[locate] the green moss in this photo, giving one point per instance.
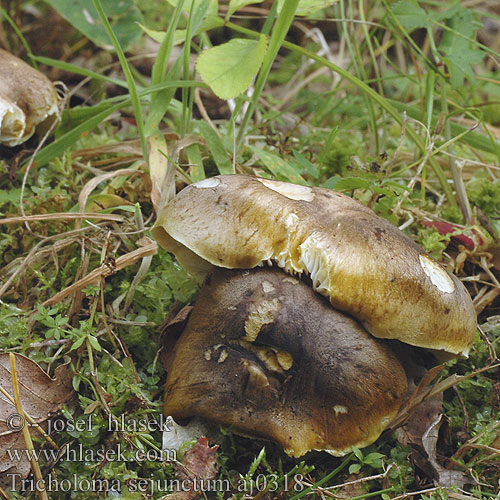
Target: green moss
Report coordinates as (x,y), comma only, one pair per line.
(485,193)
(433,242)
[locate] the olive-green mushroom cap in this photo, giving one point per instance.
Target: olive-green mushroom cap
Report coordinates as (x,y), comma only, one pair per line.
(363,264)
(28,101)
(267,356)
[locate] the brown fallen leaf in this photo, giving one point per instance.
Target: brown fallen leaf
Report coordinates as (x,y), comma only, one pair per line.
(199,465)
(171,330)
(421,432)
(41,396)
(443,477)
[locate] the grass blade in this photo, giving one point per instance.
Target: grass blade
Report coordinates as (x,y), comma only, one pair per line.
(279,32)
(134,96)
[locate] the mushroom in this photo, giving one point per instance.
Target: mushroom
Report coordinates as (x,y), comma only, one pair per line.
(28,101)
(364,265)
(266,355)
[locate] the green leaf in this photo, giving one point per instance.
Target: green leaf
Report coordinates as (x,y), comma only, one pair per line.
(278,167)
(78,343)
(211,20)
(349,183)
(94,343)
(204,19)
(229,68)
(357,452)
(308,167)
(411,15)
(353,468)
(216,147)
(234,5)
(10,196)
(309,7)
(76,382)
(123,16)
(460,53)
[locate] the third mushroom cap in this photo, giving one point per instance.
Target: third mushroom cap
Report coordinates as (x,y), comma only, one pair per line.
(362,263)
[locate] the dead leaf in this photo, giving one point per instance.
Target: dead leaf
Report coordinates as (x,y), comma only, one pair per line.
(411,433)
(199,465)
(160,169)
(170,332)
(41,396)
(443,477)
(421,432)
(131,148)
(425,391)
(93,183)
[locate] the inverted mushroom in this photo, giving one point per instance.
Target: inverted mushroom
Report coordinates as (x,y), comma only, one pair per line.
(264,354)
(363,264)
(28,101)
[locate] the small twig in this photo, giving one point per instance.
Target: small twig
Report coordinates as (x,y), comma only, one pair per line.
(398,149)
(107,269)
(143,269)
(203,112)
(33,252)
(491,348)
(50,343)
(487,270)
(470,443)
(4,495)
(465,425)
(486,300)
(413,493)
(61,216)
(54,124)
(363,479)
(104,318)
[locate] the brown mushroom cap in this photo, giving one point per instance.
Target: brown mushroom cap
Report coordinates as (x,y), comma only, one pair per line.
(266,355)
(361,262)
(28,101)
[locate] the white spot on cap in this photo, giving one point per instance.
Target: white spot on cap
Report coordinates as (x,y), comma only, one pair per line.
(267,287)
(438,276)
(292,191)
(211,182)
(340,409)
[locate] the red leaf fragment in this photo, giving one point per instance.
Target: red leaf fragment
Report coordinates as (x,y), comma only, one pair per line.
(446,228)
(199,465)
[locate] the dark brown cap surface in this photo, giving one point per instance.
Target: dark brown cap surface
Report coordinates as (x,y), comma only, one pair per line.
(264,354)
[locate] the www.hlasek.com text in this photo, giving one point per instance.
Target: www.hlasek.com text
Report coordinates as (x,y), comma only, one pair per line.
(81,454)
